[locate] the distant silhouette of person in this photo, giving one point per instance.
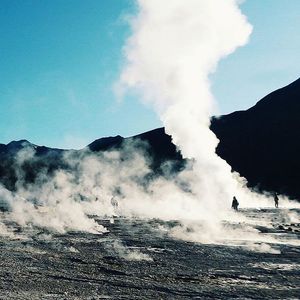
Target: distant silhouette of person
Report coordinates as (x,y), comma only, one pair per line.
(235,204)
(114,202)
(276,200)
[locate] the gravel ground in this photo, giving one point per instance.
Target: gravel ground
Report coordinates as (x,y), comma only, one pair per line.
(135,260)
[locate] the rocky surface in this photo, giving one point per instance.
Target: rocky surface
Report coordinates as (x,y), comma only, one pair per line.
(136,260)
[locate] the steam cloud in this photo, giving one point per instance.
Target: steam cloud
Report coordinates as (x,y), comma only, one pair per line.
(174,47)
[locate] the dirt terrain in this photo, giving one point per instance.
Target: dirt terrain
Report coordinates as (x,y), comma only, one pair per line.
(137,260)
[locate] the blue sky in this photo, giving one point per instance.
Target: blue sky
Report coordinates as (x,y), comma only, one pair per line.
(60,58)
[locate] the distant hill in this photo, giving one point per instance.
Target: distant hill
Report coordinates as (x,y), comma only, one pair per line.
(160,147)
(261,143)
(45,160)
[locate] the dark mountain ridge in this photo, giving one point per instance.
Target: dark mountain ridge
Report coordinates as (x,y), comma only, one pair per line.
(261,143)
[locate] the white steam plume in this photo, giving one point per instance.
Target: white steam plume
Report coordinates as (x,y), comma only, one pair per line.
(174,46)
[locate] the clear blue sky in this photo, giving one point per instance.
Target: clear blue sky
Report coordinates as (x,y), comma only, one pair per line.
(59,59)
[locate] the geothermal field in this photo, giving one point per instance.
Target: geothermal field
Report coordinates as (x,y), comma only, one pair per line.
(205,207)
(153,259)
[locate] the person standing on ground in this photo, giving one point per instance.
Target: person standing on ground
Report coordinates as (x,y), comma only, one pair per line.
(235,203)
(276,199)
